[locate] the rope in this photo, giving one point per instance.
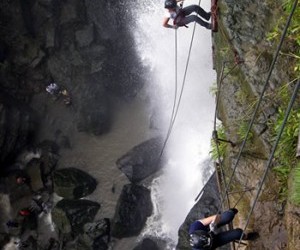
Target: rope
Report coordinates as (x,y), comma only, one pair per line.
(288,111)
(262,93)
(174,113)
(215,135)
(293,98)
(175,97)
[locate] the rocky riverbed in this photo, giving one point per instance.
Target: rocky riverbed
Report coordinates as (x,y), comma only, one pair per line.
(60,185)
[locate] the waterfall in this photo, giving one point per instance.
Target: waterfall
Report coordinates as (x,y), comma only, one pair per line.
(188,147)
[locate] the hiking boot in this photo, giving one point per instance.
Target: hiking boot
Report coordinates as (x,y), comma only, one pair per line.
(208,16)
(251,236)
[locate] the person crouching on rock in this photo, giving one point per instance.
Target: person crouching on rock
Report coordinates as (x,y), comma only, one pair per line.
(203,232)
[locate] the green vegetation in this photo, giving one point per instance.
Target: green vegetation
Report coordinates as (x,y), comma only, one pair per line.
(293,35)
(219,150)
(295,186)
(285,154)
(242,132)
(285,157)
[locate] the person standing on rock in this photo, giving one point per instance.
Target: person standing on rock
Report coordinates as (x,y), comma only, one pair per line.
(203,232)
(182,16)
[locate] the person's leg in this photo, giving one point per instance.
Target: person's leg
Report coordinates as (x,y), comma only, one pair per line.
(227,217)
(223,238)
(193,18)
(196,8)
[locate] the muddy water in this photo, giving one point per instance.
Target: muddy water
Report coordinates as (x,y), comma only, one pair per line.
(97,154)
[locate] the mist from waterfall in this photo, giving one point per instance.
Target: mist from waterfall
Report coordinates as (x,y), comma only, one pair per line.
(189,143)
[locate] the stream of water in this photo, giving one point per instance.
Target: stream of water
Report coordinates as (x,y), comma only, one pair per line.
(174,192)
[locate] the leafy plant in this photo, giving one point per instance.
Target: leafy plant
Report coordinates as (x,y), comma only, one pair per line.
(213,89)
(242,131)
(293,34)
(295,186)
(287,145)
(218,149)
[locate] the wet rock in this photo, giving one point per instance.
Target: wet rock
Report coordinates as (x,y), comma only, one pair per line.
(70,215)
(147,244)
(94,112)
(85,36)
(33,169)
(52,244)
(142,160)
(4,239)
(73,183)
(133,208)
(96,235)
(16,128)
(3,52)
(26,7)
(48,146)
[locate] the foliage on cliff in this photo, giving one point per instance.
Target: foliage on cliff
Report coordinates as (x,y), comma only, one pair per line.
(245,47)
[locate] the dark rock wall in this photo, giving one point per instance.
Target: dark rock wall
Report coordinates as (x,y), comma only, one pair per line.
(17,126)
(83,46)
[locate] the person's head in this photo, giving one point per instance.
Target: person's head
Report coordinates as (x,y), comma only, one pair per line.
(200,239)
(170,4)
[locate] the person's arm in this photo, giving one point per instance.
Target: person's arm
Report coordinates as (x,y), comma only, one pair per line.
(211,219)
(167,25)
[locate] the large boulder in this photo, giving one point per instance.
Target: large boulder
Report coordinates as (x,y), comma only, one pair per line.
(73,183)
(142,160)
(70,215)
(96,235)
(16,127)
(147,244)
(133,208)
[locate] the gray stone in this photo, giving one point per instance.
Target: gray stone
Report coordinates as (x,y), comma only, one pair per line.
(142,160)
(85,36)
(71,215)
(96,235)
(72,183)
(133,208)
(16,127)
(147,244)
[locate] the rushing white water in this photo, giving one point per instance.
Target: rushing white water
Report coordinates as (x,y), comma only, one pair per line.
(188,146)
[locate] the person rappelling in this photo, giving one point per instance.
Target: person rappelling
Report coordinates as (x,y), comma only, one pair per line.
(182,16)
(203,233)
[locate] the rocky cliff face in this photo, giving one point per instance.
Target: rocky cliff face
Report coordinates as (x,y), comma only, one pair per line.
(242,58)
(83,46)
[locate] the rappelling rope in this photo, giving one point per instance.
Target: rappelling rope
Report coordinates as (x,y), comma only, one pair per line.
(175,98)
(176,108)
